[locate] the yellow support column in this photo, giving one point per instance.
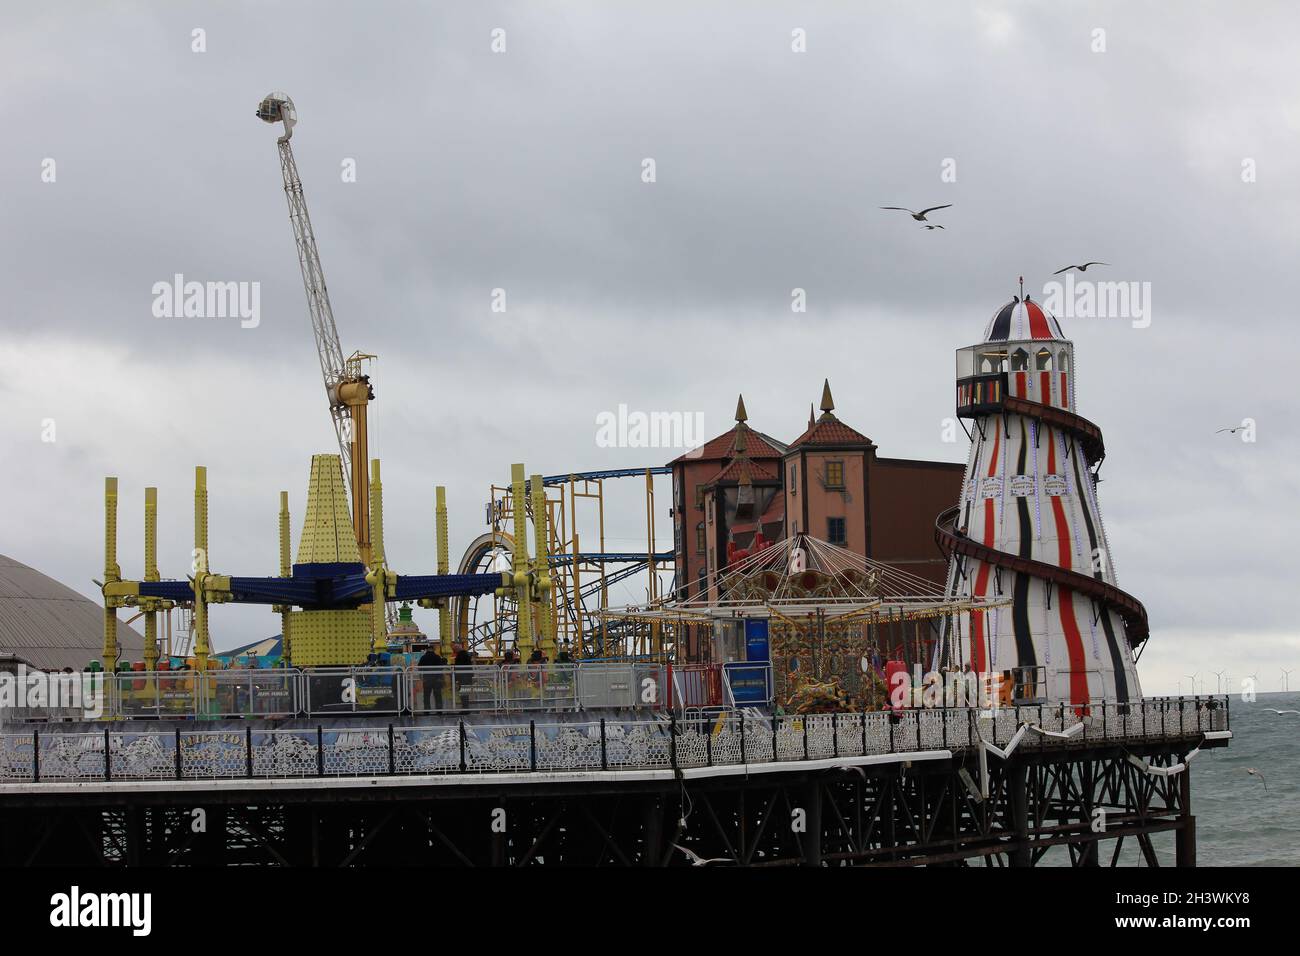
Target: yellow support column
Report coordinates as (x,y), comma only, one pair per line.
(286,571)
(523,597)
(150,574)
(200,567)
(541,569)
(112,573)
(444,567)
(355,393)
(377,577)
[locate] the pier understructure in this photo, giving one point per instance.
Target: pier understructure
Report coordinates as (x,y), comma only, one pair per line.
(641,786)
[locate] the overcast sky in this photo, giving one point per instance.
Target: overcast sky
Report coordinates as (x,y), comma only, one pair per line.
(522,170)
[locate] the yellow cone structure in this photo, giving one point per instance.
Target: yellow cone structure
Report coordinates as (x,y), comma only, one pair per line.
(328,637)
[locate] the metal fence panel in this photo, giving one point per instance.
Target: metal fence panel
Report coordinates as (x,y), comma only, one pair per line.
(726,741)
(692,743)
(75,756)
(264,692)
(156,693)
(149,756)
(474,688)
(697,685)
(285,753)
(213,754)
(723,739)
(426,749)
(431,690)
(355,753)
(638,745)
(16,753)
(539,687)
(747,685)
(353,690)
(569,746)
(821,732)
(494,747)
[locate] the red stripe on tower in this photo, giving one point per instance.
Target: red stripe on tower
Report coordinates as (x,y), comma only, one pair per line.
(1038,327)
(1065,599)
(982,576)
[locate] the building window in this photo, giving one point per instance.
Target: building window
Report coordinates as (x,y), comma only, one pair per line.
(699,537)
(794,480)
(835,531)
(835,474)
(699,496)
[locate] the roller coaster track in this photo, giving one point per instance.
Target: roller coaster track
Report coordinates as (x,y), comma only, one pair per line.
(952,541)
(549,480)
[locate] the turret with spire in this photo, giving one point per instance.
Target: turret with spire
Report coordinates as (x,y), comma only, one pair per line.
(828,403)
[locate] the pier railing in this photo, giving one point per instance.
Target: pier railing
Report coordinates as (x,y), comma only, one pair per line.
(513,744)
(280,692)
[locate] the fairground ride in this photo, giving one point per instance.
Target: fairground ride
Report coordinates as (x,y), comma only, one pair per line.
(582,580)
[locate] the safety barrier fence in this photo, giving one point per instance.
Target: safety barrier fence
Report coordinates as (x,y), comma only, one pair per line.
(490,746)
(746,685)
(330,691)
(696,685)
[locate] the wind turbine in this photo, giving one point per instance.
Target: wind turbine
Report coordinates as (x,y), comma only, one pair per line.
(1218,676)
(1192,678)
(1286,678)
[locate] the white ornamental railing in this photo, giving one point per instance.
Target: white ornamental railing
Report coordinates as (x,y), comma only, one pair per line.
(527,742)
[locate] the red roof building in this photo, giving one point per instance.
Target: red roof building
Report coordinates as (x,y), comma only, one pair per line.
(744,489)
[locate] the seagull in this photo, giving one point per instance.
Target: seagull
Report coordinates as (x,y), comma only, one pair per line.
(918,216)
(1230,431)
(1082,268)
(1280,712)
(1255,773)
(697,860)
(935,226)
(858,770)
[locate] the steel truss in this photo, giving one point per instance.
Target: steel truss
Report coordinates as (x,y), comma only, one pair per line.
(928,813)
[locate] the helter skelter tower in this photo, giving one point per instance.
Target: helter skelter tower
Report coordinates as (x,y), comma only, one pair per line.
(1028,525)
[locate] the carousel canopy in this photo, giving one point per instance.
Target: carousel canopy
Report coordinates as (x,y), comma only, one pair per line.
(803,577)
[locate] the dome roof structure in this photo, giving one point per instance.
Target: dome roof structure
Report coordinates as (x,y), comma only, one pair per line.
(48,626)
(1022,320)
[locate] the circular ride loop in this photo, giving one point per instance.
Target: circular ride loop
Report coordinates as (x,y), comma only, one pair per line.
(582,580)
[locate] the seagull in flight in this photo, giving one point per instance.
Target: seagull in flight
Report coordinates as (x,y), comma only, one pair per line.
(935,226)
(1230,431)
(697,860)
(1082,268)
(1255,773)
(1280,712)
(918,216)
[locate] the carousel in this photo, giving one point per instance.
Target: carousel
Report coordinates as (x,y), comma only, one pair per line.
(831,624)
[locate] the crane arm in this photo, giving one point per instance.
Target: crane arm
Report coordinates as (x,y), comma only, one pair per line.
(347,389)
(277,107)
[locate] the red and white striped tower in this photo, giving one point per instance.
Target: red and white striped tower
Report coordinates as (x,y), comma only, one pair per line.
(1028,525)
